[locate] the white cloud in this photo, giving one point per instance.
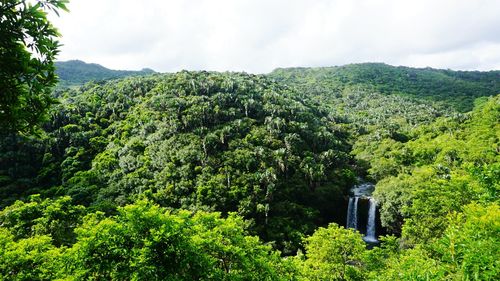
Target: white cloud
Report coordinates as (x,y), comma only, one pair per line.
(485,55)
(259,35)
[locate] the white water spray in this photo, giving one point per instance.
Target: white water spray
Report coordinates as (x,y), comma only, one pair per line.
(370,224)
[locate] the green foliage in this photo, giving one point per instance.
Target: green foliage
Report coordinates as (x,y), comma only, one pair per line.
(27,52)
(145,242)
(76,73)
(458,89)
(77,131)
(377,260)
(21,159)
(33,258)
(332,253)
(196,140)
(452,163)
(211,159)
(468,249)
(470,245)
(57,218)
(413,264)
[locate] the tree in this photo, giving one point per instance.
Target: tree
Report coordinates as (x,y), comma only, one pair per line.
(33,258)
(27,52)
(470,245)
(332,253)
(56,218)
(148,242)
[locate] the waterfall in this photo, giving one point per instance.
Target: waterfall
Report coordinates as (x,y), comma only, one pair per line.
(352,213)
(349,210)
(360,200)
(370,225)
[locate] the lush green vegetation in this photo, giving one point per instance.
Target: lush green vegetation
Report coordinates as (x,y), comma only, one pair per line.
(142,242)
(27,53)
(231,176)
(457,89)
(437,174)
(450,162)
(198,141)
(76,73)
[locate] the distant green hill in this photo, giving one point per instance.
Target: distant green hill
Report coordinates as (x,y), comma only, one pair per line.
(458,89)
(76,72)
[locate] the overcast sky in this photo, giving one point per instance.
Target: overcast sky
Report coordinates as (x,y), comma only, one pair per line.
(260,35)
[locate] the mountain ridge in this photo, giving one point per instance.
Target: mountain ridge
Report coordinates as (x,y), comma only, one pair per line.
(458,89)
(77,72)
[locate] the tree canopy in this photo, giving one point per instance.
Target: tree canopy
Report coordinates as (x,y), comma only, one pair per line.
(27,52)
(202,175)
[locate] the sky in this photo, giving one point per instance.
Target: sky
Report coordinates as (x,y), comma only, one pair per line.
(258,36)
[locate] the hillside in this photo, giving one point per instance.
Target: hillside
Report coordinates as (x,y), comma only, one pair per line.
(226,142)
(232,176)
(76,73)
(455,89)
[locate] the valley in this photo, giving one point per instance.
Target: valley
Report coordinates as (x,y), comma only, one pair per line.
(283,166)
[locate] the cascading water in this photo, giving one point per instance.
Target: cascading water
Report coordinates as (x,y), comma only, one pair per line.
(370,225)
(362,194)
(352,213)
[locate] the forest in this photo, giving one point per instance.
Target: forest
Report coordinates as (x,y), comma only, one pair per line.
(205,175)
(202,175)
(74,73)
